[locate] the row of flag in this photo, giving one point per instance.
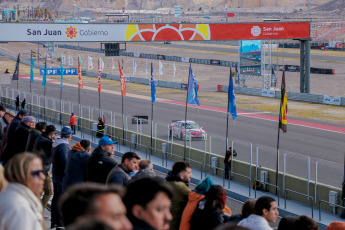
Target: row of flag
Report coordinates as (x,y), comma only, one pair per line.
(193,87)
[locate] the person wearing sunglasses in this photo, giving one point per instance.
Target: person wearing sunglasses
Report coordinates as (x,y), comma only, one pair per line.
(20,206)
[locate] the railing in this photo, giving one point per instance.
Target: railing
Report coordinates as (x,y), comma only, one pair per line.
(247,177)
(301,194)
(216,168)
(322,201)
(277,187)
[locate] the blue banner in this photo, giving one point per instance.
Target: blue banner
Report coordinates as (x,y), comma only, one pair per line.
(66,71)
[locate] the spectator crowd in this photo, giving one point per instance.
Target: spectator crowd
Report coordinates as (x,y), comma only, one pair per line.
(90,189)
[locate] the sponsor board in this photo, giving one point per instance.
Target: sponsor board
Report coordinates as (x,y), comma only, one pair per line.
(268,93)
(331,100)
(66,71)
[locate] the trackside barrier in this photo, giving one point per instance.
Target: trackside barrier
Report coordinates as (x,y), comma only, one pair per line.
(301,194)
(197,155)
(326,202)
(216,174)
(277,187)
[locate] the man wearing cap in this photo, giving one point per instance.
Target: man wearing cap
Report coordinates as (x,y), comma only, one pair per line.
(4,121)
(73,122)
(60,152)
(101,161)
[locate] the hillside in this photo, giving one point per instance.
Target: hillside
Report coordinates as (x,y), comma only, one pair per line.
(192,5)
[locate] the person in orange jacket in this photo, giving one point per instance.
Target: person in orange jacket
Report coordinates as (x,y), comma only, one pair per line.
(73,122)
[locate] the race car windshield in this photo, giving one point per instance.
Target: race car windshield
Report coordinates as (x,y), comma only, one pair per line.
(192,126)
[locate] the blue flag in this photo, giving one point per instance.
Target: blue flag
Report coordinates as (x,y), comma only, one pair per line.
(153,87)
(44,81)
(231,98)
(192,90)
(32,69)
(61,73)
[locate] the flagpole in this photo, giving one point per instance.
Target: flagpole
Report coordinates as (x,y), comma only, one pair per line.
(185,117)
(18,75)
(227,117)
(151,126)
(123,122)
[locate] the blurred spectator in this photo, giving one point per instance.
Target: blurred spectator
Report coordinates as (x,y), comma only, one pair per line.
(34,134)
(10,142)
(119,174)
(89,224)
(266,212)
(179,178)
(248,208)
(287,223)
(43,147)
(73,122)
(145,170)
(148,202)
(21,135)
(193,199)
(93,200)
(209,212)
(305,223)
(3,181)
(4,121)
(101,162)
(336,225)
(230,226)
(2,110)
(23,103)
(6,71)
(20,207)
(17,102)
(76,163)
(60,151)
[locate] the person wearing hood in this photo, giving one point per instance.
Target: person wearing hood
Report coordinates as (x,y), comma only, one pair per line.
(60,152)
(75,163)
(193,199)
(101,162)
(9,144)
(34,134)
(21,135)
(179,178)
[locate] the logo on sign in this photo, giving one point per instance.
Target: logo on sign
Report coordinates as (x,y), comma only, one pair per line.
(256,31)
(71,32)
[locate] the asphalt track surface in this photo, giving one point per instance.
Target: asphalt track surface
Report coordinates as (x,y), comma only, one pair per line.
(323,141)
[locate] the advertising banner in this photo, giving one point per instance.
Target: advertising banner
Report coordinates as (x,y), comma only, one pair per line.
(66,71)
(331,100)
(69,32)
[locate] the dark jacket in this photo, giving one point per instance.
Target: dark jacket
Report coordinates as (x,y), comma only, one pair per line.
(205,217)
(21,138)
(179,199)
(227,157)
(118,175)
(143,173)
(75,166)
(98,166)
(33,135)
(139,224)
(10,139)
(43,147)
(60,152)
(3,124)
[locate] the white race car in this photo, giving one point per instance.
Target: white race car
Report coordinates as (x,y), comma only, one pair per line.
(193,130)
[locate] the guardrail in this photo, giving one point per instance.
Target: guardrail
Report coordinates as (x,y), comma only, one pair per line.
(215,168)
(247,177)
(277,187)
(301,194)
(323,201)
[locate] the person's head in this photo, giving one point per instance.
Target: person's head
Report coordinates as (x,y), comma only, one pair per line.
(336,225)
(305,223)
(266,207)
(2,110)
(146,164)
(66,132)
(131,161)
(29,121)
(26,169)
(41,126)
(99,119)
(22,113)
(183,170)
(149,199)
(86,144)
(3,181)
(9,116)
(92,200)
(107,145)
(216,197)
(72,114)
(50,131)
(248,208)
(287,223)
(89,224)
